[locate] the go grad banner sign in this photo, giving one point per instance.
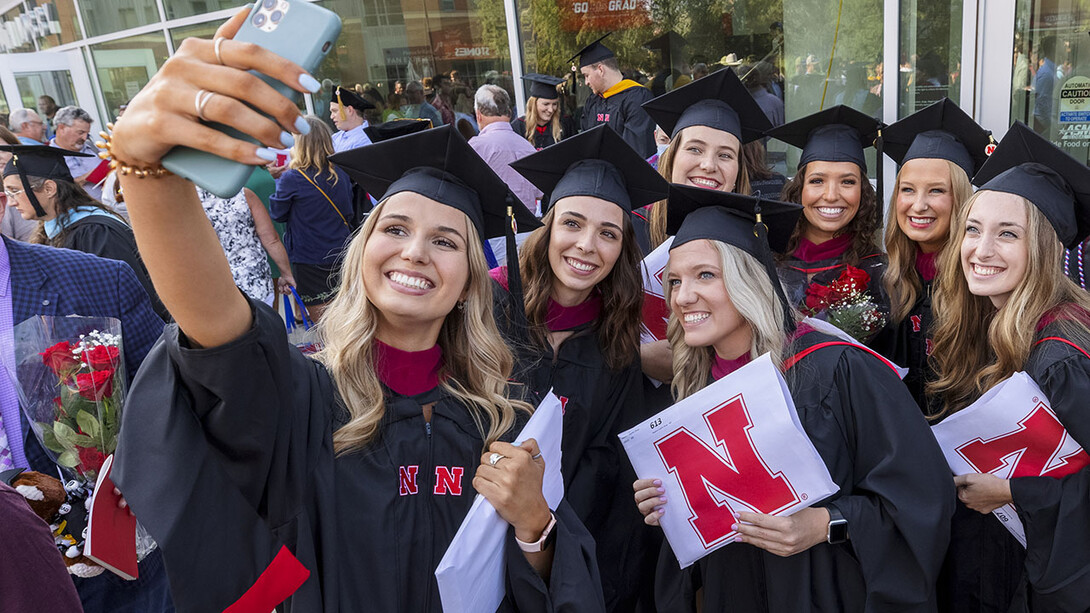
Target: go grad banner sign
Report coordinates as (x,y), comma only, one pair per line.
(735,446)
(1011,431)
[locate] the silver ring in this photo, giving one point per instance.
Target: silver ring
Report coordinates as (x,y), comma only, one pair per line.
(216,48)
(203,96)
(534,457)
(495,458)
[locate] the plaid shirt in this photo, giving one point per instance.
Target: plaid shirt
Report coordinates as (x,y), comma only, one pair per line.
(52,281)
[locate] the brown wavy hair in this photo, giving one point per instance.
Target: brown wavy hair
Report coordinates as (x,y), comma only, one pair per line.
(531,121)
(977,346)
(666,169)
(67,197)
(618,327)
(902,282)
(864,226)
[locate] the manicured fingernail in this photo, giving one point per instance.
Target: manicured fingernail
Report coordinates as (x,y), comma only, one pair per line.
(657,482)
(117,492)
(662,511)
(287,139)
(266,154)
(301,125)
(662,498)
(309,83)
(661,491)
(734,527)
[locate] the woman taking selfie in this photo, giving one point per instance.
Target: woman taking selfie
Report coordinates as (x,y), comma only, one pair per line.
(1003,305)
(867,548)
(337,482)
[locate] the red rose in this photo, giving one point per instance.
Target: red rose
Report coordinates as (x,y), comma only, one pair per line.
(90,459)
(102,357)
(60,360)
(96,385)
(856,276)
(818,297)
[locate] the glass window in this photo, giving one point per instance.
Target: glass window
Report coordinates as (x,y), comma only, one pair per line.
(189,8)
(1050,88)
(107,16)
(54,83)
(59,24)
(200,30)
(384,43)
(930,54)
(17,31)
(124,66)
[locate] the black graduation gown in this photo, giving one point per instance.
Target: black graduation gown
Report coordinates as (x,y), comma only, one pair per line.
(624,113)
(599,403)
(226,455)
(796,275)
(110,238)
(1052,574)
(541,139)
(908,344)
(895,492)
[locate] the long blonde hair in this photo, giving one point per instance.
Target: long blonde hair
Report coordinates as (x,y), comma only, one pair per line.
(477,363)
(531,122)
(753,295)
(977,346)
(902,282)
(312,151)
(666,169)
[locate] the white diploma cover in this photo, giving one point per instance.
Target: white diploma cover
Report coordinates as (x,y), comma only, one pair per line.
(734,446)
(655,310)
(1011,431)
(471,573)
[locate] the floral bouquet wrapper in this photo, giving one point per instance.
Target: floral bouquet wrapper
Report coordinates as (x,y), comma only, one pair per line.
(847,303)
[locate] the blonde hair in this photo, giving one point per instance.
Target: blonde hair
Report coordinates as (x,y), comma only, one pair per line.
(312,151)
(977,346)
(753,295)
(657,224)
(902,282)
(476,362)
(531,121)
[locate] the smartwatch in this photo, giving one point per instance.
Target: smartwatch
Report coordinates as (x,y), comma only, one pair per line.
(838,526)
(543,543)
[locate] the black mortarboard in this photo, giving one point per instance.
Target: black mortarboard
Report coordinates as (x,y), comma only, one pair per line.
(837,134)
(347,97)
(395,128)
(543,85)
(596,163)
(752,224)
(592,54)
(39,161)
(666,43)
(940,131)
(1028,165)
(718,101)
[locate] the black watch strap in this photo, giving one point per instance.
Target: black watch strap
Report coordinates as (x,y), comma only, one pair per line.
(838,526)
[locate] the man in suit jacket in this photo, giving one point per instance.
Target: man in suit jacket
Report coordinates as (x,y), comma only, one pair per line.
(41,280)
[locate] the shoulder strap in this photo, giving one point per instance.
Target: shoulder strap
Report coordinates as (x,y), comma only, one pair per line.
(328,199)
(791,361)
(1063,340)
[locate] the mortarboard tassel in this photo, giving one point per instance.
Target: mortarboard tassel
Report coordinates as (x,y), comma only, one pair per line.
(878,161)
(514,278)
(340,105)
(38,210)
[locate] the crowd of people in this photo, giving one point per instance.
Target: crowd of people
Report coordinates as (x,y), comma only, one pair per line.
(457,281)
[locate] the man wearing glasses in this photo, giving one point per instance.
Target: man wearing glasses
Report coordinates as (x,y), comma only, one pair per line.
(27,126)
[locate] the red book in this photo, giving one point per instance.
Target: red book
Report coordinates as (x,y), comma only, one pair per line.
(111,531)
(99,173)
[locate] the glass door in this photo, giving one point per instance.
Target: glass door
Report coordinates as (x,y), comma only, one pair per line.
(59,75)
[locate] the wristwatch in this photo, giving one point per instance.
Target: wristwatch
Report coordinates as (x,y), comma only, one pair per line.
(543,543)
(838,526)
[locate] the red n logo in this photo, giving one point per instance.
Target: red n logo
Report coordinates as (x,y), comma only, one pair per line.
(448,480)
(407,479)
(1033,449)
(563,404)
(917,322)
(715,484)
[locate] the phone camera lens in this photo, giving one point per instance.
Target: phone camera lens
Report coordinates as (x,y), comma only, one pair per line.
(259,19)
(269,4)
(275,17)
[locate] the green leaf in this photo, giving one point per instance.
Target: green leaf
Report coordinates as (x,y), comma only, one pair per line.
(82,440)
(49,439)
(88,424)
(69,459)
(64,435)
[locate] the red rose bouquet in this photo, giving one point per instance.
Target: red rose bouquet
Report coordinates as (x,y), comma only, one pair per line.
(847,304)
(71,381)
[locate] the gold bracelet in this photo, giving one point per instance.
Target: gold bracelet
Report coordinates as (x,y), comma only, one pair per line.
(107,153)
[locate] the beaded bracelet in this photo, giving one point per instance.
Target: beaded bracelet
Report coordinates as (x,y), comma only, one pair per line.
(107,153)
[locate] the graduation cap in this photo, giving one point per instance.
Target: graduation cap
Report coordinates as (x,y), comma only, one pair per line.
(592,54)
(940,131)
(543,86)
(719,101)
(837,134)
(347,97)
(752,224)
(597,163)
(666,42)
(39,161)
(395,128)
(1028,165)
